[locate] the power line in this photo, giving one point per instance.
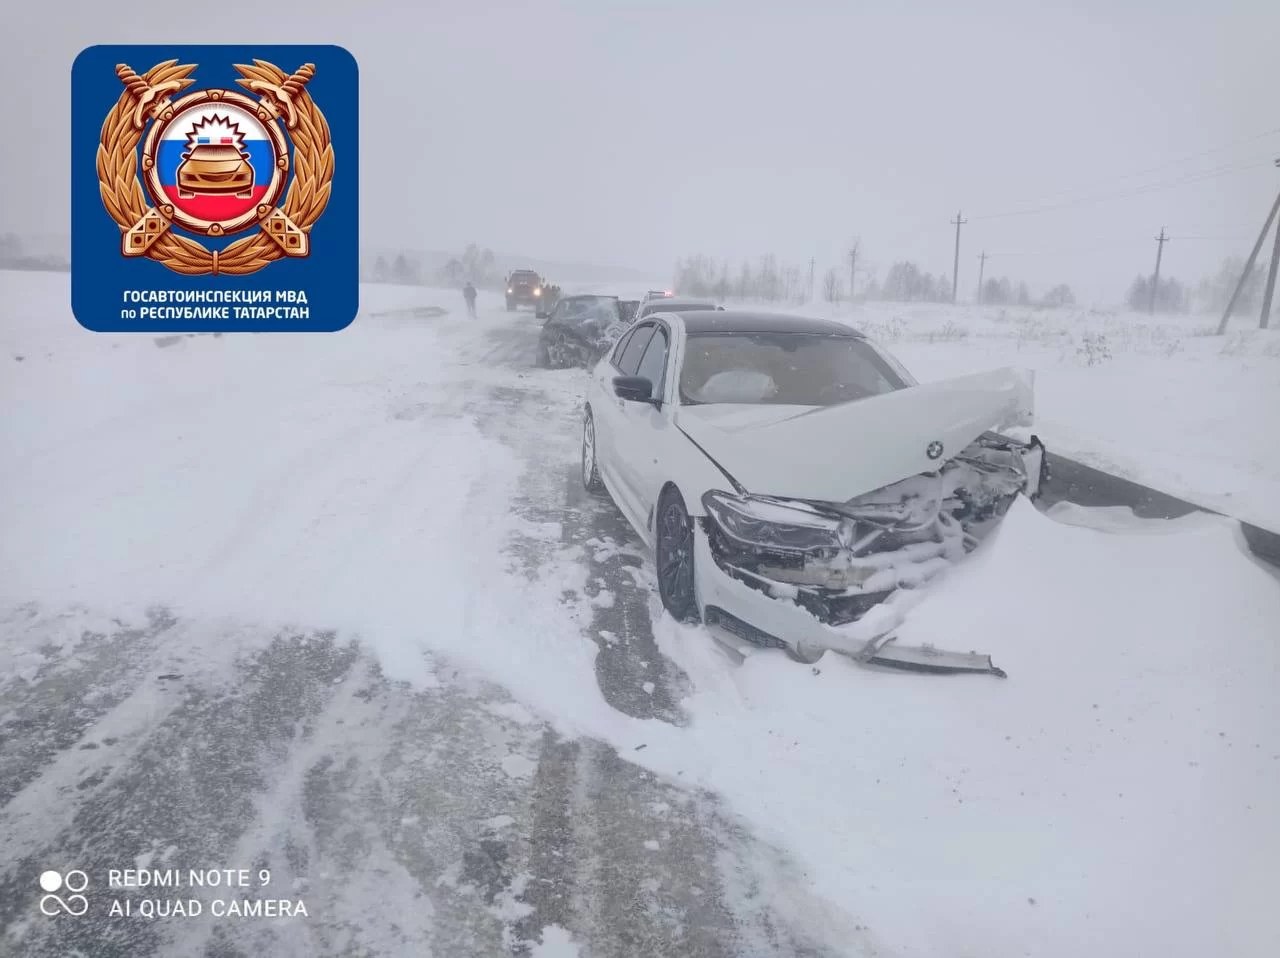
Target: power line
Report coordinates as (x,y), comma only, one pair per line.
(1197,177)
(1158,167)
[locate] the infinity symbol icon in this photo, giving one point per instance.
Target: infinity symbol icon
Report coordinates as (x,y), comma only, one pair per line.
(75,904)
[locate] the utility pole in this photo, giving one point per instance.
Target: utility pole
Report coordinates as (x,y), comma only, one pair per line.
(1155,280)
(1271,278)
(1248,265)
(955,270)
(811,279)
(853,267)
(982,265)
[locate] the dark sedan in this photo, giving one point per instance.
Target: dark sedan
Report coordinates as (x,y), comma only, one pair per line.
(580,330)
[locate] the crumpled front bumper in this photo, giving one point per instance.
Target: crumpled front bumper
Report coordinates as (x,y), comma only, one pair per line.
(856,612)
(776,619)
(778,622)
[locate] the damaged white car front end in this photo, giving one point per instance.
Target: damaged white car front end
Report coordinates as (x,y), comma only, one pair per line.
(812,570)
(806,576)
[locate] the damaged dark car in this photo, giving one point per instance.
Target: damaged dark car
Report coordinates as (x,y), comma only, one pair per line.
(581,329)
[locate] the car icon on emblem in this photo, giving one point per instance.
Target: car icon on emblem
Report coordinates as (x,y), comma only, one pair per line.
(934,449)
(212,168)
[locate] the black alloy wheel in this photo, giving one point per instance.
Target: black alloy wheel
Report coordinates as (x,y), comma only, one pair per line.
(673,556)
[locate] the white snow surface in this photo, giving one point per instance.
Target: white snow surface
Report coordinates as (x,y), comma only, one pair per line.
(1116,795)
(1156,399)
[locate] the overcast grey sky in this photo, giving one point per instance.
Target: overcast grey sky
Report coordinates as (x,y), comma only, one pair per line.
(634,133)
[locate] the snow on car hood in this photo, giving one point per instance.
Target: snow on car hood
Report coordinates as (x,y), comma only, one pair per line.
(834,453)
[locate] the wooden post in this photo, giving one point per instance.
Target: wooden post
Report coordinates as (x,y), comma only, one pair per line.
(1155,280)
(1248,266)
(1271,282)
(955,269)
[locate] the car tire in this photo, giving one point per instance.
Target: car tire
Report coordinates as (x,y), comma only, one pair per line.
(673,556)
(559,352)
(591,480)
(511,307)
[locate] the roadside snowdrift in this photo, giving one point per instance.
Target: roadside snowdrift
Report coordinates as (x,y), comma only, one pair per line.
(1160,400)
(1114,796)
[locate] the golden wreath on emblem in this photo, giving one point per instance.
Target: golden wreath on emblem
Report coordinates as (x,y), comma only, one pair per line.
(215,163)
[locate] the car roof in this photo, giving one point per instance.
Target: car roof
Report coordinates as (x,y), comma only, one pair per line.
(746,321)
(673,304)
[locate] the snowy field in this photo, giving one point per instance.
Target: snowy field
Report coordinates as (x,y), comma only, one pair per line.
(1159,400)
(409,485)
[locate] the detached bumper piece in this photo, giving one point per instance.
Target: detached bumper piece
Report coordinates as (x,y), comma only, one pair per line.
(885,652)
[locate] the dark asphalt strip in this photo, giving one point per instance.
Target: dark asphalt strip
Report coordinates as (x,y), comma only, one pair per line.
(1071,481)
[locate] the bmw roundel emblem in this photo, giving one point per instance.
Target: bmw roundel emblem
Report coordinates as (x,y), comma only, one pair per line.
(934,449)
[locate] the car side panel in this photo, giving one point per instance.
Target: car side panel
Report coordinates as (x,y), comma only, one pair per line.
(609,414)
(665,454)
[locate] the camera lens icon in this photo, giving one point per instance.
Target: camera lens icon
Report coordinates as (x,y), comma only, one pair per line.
(74,881)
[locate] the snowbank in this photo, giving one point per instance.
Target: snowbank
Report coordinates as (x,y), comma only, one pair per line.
(1159,400)
(1114,796)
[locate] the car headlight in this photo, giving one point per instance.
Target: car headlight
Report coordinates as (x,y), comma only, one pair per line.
(537,292)
(510,290)
(777,525)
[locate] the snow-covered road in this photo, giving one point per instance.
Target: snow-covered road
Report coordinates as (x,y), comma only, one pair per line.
(337,607)
(214,659)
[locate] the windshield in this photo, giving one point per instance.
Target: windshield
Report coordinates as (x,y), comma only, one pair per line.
(802,369)
(594,309)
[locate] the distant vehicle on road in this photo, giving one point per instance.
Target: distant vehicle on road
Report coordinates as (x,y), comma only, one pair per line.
(656,294)
(790,475)
(524,288)
(673,304)
(579,330)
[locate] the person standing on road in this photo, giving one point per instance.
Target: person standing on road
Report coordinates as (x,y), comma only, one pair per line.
(469,294)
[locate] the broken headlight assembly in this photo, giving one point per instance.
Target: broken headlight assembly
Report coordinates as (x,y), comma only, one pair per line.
(774,525)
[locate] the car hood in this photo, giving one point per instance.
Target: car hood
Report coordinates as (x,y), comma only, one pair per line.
(835,453)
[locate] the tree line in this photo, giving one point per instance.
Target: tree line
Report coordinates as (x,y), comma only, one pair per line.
(768,281)
(406,269)
(1210,295)
(13,256)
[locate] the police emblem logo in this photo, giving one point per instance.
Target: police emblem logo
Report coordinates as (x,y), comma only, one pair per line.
(215,163)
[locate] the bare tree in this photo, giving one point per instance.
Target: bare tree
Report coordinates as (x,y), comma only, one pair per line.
(832,287)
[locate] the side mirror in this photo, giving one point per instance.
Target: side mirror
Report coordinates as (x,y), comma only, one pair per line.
(633,388)
(542,314)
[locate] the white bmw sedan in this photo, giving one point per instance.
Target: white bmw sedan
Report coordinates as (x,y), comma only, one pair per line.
(790,475)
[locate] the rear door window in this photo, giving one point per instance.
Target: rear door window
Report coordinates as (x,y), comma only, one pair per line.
(621,348)
(654,364)
(634,349)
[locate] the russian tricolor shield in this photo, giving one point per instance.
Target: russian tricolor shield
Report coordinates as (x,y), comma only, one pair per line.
(215,161)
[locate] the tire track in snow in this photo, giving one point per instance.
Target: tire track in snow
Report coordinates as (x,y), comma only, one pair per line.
(442,820)
(629,864)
